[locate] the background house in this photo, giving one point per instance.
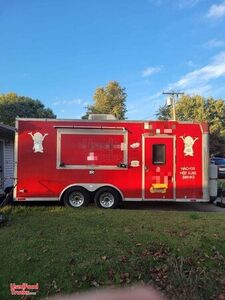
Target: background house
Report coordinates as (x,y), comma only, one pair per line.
(7,134)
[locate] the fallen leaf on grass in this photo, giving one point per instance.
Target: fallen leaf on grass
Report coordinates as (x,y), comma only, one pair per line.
(111,273)
(54,285)
(123,259)
(159,274)
(161,253)
(124,277)
(94,283)
(216,235)
(145,253)
(184,234)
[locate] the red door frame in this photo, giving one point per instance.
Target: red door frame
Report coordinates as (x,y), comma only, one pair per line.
(144,137)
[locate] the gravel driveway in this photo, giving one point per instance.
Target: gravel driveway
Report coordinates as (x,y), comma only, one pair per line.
(174,206)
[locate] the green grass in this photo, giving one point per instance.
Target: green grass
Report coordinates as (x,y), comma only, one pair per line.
(68,250)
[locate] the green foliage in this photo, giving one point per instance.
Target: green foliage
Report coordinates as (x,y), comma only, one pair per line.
(109,100)
(12,106)
(164,113)
(200,109)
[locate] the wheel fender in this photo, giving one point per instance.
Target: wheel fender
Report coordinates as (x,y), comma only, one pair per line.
(91,187)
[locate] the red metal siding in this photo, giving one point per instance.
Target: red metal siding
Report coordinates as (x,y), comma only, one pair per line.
(38,175)
(189,167)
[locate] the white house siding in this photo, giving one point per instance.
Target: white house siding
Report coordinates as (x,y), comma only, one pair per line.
(8,162)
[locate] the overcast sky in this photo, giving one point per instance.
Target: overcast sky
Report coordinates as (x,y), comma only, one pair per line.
(59,51)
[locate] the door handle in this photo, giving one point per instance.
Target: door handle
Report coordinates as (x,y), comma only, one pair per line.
(146,169)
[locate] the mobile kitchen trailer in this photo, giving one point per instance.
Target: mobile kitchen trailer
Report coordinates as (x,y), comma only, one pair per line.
(109,161)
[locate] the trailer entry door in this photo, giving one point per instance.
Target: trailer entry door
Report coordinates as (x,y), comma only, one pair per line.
(158,168)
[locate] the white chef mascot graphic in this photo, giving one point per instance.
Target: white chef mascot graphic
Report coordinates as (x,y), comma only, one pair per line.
(38,139)
(188,145)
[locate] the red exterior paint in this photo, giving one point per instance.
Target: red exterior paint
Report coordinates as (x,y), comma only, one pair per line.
(90,152)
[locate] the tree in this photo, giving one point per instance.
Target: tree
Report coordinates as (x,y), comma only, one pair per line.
(198,108)
(12,106)
(109,100)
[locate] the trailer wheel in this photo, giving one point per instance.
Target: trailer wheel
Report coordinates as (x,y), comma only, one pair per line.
(107,197)
(76,197)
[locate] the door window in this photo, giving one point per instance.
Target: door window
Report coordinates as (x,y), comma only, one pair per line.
(158,154)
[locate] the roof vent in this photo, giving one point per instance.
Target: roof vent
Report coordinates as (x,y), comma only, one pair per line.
(101,117)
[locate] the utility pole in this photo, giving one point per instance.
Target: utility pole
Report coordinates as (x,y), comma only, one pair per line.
(174,97)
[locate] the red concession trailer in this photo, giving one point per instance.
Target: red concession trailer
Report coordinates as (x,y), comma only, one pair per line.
(75,161)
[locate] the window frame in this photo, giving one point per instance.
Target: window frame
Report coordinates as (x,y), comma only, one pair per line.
(155,159)
(89,131)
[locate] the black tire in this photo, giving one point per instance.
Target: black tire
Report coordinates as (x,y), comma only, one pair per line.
(107,197)
(212,199)
(9,195)
(76,197)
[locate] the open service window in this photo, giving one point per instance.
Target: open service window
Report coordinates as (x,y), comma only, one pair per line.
(91,148)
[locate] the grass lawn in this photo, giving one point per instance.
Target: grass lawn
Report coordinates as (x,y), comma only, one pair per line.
(68,250)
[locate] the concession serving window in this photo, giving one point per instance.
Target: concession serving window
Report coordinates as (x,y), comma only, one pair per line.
(91,148)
